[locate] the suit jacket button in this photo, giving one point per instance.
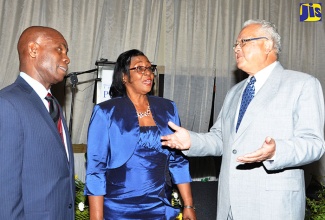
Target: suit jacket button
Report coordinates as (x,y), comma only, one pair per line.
(234,151)
(70,206)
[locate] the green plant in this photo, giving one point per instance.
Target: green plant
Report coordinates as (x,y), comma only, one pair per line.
(81,203)
(315,209)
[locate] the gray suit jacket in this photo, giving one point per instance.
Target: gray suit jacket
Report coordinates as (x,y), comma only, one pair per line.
(289,108)
(36,178)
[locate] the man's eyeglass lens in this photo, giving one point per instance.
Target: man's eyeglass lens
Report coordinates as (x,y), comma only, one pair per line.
(243,42)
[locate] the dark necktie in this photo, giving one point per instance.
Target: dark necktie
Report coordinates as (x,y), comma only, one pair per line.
(54,110)
(248,95)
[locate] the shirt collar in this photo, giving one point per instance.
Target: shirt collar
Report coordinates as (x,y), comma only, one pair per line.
(262,75)
(37,86)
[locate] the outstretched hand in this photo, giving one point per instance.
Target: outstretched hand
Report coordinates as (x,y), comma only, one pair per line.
(179,140)
(267,151)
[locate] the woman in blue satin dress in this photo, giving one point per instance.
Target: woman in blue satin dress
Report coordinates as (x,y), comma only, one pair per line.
(129,173)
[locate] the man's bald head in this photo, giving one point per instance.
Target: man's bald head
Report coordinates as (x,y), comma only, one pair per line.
(43,54)
(32,34)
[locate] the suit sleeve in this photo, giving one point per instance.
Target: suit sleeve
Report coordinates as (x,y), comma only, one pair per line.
(11,162)
(207,144)
(307,142)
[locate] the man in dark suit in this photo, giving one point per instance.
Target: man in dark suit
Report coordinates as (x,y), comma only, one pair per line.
(36,162)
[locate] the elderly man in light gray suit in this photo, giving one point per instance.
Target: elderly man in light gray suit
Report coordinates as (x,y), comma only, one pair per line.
(282,129)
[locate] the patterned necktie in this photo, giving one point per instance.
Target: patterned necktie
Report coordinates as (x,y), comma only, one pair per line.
(54,110)
(248,95)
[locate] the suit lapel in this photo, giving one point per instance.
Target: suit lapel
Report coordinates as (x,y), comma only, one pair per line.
(39,105)
(236,99)
(35,99)
(262,99)
(67,136)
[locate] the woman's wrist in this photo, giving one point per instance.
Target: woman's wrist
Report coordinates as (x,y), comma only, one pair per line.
(189,207)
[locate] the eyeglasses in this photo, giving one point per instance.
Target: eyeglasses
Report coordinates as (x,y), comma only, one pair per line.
(243,42)
(143,69)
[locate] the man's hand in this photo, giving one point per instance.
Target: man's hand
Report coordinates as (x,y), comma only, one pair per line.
(179,140)
(267,151)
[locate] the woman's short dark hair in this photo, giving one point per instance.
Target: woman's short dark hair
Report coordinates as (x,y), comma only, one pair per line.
(122,67)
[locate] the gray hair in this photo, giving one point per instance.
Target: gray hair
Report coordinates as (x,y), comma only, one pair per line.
(270,29)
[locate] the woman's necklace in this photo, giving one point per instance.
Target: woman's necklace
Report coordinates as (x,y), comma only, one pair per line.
(144,114)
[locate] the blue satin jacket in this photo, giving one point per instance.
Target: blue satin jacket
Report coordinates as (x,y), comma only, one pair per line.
(114,132)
